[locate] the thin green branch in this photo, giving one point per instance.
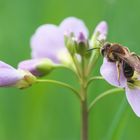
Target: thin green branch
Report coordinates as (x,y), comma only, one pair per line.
(100,96)
(61,84)
(93,60)
(94,78)
(76,64)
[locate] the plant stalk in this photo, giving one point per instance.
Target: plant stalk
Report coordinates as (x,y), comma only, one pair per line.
(84,120)
(84,106)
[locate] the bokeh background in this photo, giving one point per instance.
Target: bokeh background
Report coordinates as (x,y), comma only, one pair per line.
(48,112)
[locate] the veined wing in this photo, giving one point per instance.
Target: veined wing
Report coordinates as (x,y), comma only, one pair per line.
(132,59)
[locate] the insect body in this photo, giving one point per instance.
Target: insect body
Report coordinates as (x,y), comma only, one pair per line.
(127,70)
(129,62)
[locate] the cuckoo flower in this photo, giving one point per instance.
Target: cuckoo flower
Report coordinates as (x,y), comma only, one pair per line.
(9,76)
(132,88)
(48,40)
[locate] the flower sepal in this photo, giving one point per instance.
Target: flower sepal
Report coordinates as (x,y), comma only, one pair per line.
(70,43)
(45,66)
(26,81)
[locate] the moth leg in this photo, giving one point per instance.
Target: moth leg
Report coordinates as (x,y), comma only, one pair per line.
(118,71)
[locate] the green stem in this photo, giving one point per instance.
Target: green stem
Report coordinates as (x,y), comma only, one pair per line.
(84,107)
(84,130)
(76,64)
(92,62)
(61,84)
(100,96)
(94,78)
(95,54)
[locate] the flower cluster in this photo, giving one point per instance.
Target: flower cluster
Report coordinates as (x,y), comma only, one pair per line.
(67,45)
(50,49)
(58,43)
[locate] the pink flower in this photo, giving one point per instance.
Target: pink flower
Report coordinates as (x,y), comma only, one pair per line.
(109,71)
(9,76)
(48,40)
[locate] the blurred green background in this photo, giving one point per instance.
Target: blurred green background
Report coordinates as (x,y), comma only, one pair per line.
(48,112)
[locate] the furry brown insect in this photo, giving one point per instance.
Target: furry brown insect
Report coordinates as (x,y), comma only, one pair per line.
(119,54)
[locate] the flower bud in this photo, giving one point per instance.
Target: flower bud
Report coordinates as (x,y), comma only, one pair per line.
(70,43)
(82,44)
(38,67)
(101,30)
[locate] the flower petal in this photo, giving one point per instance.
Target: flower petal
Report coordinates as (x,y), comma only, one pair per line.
(109,71)
(73,25)
(8,75)
(133,97)
(4,65)
(47,42)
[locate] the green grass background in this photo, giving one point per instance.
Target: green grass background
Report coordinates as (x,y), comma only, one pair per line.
(48,112)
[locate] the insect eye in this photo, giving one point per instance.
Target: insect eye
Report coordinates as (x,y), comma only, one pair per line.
(105,48)
(107,45)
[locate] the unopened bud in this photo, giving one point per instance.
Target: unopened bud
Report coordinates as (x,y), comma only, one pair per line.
(70,43)
(38,67)
(82,44)
(27,80)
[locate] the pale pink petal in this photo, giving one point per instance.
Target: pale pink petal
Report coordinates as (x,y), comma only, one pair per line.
(47,42)
(133,97)
(8,75)
(109,71)
(4,65)
(73,25)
